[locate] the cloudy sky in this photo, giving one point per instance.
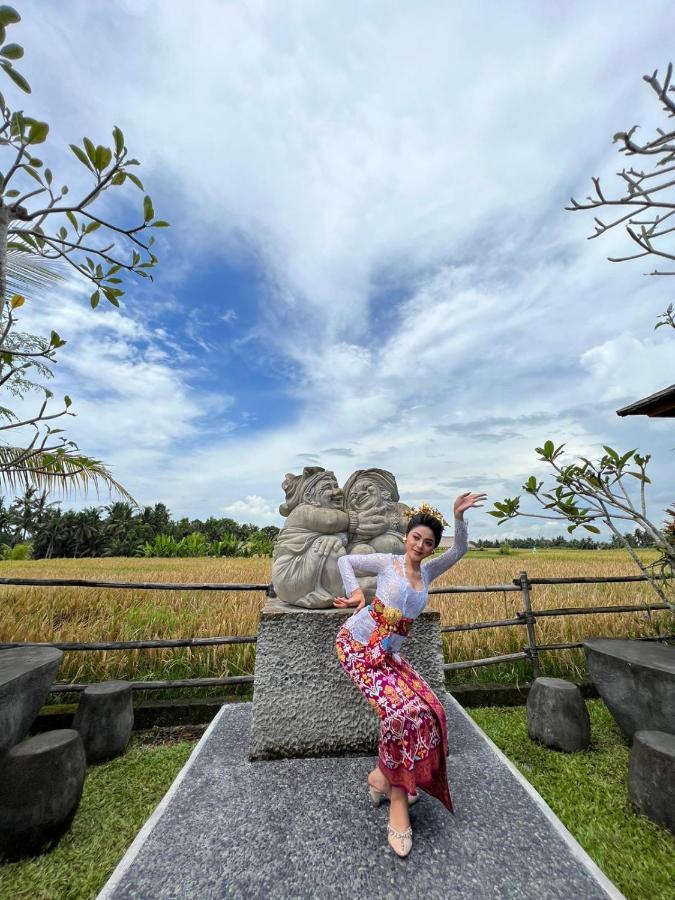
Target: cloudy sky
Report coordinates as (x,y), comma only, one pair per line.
(369,262)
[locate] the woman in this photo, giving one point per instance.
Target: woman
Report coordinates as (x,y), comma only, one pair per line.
(413,741)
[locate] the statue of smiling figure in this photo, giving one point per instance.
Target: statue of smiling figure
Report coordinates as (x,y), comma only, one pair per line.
(317,530)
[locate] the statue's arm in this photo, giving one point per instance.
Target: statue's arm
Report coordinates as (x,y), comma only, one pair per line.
(322,519)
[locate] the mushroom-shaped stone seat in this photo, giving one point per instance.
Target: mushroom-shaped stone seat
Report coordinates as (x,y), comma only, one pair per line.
(105,719)
(557,716)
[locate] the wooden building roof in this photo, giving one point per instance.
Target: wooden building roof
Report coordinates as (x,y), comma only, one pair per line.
(660,404)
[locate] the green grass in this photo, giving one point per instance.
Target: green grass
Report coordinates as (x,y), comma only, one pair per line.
(588,793)
(118,798)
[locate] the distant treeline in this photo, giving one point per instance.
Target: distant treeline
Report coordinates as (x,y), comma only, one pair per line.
(638,538)
(31,525)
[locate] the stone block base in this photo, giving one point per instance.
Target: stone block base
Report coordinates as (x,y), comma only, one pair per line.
(303,702)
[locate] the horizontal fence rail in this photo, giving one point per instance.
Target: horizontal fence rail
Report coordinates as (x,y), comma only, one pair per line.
(525,617)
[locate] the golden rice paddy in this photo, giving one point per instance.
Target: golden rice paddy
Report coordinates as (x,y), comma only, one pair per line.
(58,614)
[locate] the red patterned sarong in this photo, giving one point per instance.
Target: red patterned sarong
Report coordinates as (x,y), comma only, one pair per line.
(413,743)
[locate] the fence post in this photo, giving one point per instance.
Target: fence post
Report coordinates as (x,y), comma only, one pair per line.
(529,618)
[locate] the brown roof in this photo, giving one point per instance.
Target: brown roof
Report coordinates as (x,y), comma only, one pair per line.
(661,404)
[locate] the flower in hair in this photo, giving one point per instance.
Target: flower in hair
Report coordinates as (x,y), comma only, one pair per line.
(428,510)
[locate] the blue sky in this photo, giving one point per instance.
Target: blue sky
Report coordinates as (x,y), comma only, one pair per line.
(369,262)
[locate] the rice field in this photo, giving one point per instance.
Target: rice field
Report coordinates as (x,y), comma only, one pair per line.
(93,614)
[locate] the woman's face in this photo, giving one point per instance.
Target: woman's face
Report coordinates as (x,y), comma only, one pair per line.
(420,542)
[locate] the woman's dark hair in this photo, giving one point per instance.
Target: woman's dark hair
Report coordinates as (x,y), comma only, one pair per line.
(430,522)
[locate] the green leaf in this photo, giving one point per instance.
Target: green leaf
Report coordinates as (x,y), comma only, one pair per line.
(80,155)
(95,297)
(497,515)
(38,133)
(67,400)
(3,34)
(137,181)
(17,301)
(160,223)
(33,173)
(118,137)
(114,280)
(91,150)
(48,176)
(591,528)
(55,340)
(92,226)
(8,15)
(12,51)
(12,193)
(16,77)
(148,211)
(103,157)
(118,178)
(71,218)
(571,528)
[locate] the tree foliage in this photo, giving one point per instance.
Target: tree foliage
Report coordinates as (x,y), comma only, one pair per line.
(44,229)
(646,199)
(121,529)
(583,492)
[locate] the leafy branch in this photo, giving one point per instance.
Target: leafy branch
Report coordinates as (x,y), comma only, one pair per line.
(646,201)
(586,492)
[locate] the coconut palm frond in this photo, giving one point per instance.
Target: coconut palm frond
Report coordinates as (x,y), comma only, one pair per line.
(30,274)
(61,471)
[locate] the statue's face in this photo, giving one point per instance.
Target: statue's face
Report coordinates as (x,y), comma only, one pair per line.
(363,494)
(326,492)
(366,494)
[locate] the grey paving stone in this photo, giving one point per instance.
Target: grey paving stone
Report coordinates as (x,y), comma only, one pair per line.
(304,828)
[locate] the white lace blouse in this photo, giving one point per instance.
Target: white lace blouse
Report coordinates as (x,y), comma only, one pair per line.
(393,588)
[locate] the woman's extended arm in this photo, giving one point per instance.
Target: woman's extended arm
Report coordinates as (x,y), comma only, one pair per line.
(365,563)
(439,564)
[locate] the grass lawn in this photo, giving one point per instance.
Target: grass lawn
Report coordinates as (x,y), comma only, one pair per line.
(118,798)
(588,793)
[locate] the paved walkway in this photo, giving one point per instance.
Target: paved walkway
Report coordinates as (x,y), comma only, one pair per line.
(304,828)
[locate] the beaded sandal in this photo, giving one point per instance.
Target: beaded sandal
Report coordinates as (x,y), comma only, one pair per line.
(400,841)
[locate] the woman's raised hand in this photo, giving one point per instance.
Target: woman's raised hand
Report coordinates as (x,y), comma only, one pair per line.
(357,599)
(466,501)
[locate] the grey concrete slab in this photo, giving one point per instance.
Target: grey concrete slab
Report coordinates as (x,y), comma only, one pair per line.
(304,828)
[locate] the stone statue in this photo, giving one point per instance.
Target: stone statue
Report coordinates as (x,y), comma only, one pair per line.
(323,523)
(368,489)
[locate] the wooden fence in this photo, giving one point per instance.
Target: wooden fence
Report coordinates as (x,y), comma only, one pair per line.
(525,618)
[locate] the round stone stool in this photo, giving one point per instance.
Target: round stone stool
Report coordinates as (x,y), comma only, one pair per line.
(104,719)
(651,776)
(41,783)
(557,716)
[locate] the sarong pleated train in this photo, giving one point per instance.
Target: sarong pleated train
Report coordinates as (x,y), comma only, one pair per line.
(413,743)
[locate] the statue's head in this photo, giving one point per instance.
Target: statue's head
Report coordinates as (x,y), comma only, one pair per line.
(367,488)
(316,486)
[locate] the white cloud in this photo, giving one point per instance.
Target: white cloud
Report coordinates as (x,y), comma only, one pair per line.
(251,509)
(349,149)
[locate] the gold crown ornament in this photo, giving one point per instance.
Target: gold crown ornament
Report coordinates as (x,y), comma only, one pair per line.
(428,510)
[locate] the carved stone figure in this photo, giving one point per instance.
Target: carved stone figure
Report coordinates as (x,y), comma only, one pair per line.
(322,521)
(376,489)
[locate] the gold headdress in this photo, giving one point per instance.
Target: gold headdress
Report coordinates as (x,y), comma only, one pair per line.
(428,510)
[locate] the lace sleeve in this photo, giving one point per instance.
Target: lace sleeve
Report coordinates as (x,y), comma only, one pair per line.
(435,567)
(365,563)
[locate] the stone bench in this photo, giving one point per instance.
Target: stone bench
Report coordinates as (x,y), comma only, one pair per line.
(651,776)
(557,716)
(41,783)
(636,680)
(105,719)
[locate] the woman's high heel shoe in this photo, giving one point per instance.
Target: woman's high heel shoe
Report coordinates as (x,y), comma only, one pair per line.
(400,841)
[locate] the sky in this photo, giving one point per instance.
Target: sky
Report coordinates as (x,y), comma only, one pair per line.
(369,261)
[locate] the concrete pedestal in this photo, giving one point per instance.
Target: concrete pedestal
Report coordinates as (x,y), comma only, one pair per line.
(303,702)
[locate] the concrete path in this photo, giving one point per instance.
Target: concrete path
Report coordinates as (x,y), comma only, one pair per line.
(305,828)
